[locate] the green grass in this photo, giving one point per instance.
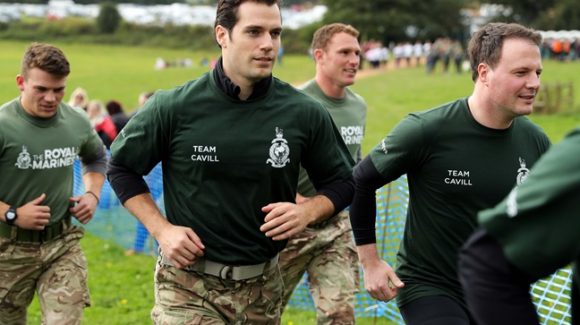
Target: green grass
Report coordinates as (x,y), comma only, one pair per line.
(122,73)
(122,287)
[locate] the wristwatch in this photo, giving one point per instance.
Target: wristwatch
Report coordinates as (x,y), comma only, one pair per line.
(10,216)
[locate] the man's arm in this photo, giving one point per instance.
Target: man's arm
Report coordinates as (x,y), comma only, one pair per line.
(179,244)
(380,280)
(93,170)
(86,204)
(32,215)
(285,219)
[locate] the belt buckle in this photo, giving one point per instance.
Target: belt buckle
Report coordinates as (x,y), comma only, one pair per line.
(226,272)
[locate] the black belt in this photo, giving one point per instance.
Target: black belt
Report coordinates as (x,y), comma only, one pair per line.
(228,272)
(34,236)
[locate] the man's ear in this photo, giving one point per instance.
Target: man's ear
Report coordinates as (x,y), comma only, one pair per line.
(317,54)
(222,36)
(482,72)
(20,82)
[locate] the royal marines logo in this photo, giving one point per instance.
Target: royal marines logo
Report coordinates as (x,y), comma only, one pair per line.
(512,203)
(523,172)
(279,150)
(384,146)
(24,161)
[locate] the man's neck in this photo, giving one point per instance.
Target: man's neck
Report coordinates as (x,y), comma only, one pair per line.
(487,115)
(245,91)
(330,88)
(240,89)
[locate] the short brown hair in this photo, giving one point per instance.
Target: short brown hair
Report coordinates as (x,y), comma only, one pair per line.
(486,44)
(227,11)
(47,58)
(324,34)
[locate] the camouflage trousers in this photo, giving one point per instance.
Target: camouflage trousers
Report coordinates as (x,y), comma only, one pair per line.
(56,269)
(327,252)
(187,297)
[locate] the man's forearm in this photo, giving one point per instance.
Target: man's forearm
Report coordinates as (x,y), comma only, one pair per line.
(3,209)
(93,182)
(368,254)
(318,207)
(144,208)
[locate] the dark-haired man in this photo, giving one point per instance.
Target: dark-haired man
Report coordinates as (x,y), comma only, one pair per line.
(231,144)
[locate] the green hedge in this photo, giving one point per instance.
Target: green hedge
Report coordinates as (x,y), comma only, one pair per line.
(83,30)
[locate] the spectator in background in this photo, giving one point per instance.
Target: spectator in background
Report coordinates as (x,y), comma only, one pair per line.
(280,54)
(457,54)
(79,98)
(118,116)
(418,52)
(143,97)
(101,122)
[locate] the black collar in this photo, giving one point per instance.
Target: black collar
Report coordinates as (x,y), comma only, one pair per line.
(231,89)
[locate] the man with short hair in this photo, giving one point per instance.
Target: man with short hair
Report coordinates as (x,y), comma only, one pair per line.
(326,250)
(40,138)
(231,144)
(531,234)
(460,158)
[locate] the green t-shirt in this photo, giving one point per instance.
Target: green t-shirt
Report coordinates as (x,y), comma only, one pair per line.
(538,224)
(37,155)
(349,115)
(455,168)
(224,159)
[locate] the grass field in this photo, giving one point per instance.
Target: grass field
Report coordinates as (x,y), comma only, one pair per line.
(121,287)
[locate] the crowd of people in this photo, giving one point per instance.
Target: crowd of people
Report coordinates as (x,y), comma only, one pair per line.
(286,190)
(408,54)
(108,119)
(561,49)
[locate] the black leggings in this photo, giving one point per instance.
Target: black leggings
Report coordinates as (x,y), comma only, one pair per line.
(435,310)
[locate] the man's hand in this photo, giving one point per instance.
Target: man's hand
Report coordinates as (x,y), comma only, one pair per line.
(180,245)
(33,215)
(284,220)
(84,207)
(381,281)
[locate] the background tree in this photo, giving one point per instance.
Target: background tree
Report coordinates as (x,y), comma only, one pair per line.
(109,18)
(396,20)
(543,15)
(525,12)
(564,15)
